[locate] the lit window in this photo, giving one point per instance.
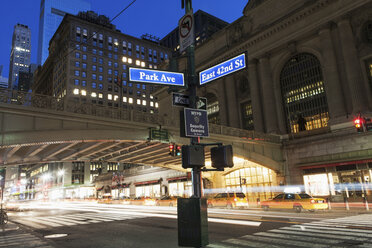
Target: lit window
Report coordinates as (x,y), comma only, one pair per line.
(151,97)
(130,100)
(125,99)
(109,96)
(144,102)
(156,105)
(94,94)
(83,92)
(151,104)
(116,97)
(100,95)
(130,61)
(138,62)
(124,59)
(143,64)
(76,91)
(139,101)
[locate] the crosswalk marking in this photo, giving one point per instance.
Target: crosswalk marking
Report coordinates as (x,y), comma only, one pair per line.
(16,240)
(42,222)
(272,239)
(350,231)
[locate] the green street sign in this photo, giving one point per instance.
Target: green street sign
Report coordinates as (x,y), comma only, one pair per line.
(159,134)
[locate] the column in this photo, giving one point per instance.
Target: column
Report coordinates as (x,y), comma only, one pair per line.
(352,67)
(255,96)
(270,115)
(336,102)
(222,102)
(67,167)
(87,173)
(231,102)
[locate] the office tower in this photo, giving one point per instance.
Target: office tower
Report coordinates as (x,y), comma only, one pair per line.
(20,54)
(51,15)
(96,68)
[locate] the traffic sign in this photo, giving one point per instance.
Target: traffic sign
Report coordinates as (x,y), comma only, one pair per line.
(179,99)
(186,31)
(222,69)
(156,77)
(159,134)
(196,123)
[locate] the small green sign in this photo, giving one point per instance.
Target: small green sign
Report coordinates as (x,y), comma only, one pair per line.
(159,134)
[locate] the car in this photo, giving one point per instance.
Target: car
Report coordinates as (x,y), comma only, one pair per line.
(170,201)
(146,201)
(106,199)
(229,200)
(296,201)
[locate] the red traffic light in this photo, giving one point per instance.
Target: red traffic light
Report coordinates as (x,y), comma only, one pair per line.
(358,122)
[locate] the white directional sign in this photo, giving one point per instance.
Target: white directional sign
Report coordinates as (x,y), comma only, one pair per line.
(186,31)
(223,69)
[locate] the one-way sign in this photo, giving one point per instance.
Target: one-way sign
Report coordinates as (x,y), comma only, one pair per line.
(183,100)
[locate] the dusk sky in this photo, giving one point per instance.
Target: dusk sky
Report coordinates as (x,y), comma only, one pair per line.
(144,16)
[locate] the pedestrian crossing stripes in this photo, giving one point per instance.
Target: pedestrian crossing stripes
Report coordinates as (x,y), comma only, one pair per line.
(350,231)
(42,222)
(16,240)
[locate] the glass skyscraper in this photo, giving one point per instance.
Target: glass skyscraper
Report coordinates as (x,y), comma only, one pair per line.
(20,55)
(51,15)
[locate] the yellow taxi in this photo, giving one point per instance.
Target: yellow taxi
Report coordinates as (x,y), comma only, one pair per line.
(298,202)
(229,200)
(106,198)
(170,201)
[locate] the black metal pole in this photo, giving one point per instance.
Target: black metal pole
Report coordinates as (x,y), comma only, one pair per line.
(192,84)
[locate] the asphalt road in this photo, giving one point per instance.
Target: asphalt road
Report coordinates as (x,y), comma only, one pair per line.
(100,225)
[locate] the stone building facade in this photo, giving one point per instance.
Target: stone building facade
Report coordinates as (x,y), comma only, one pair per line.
(306,60)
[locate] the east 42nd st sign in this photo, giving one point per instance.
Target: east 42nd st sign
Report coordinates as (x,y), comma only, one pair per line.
(223,69)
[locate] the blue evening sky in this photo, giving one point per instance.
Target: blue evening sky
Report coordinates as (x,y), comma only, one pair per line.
(144,16)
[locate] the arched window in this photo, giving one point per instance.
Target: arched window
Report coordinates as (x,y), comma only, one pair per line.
(303,93)
(213,108)
(254,180)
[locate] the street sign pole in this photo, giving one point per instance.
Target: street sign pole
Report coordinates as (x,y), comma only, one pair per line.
(196,176)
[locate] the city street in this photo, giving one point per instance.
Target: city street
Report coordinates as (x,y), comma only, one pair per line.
(88,224)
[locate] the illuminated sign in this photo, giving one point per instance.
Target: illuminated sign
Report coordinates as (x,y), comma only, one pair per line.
(156,77)
(223,69)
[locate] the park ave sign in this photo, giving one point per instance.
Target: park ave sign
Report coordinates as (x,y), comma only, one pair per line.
(156,77)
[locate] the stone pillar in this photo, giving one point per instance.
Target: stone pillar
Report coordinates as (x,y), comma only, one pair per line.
(222,102)
(268,99)
(352,67)
(335,99)
(67,167)
(231,102)
(104,167)
(255,96)
(87,173)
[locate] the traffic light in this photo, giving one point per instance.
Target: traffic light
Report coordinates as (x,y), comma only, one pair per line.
(193,156)
(358,123)
(222,157)
(178,150)
(172,149)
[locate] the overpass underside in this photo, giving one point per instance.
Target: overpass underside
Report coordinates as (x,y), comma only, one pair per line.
(41,129)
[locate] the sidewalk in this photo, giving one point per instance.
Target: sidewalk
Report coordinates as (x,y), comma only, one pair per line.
(10,226)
